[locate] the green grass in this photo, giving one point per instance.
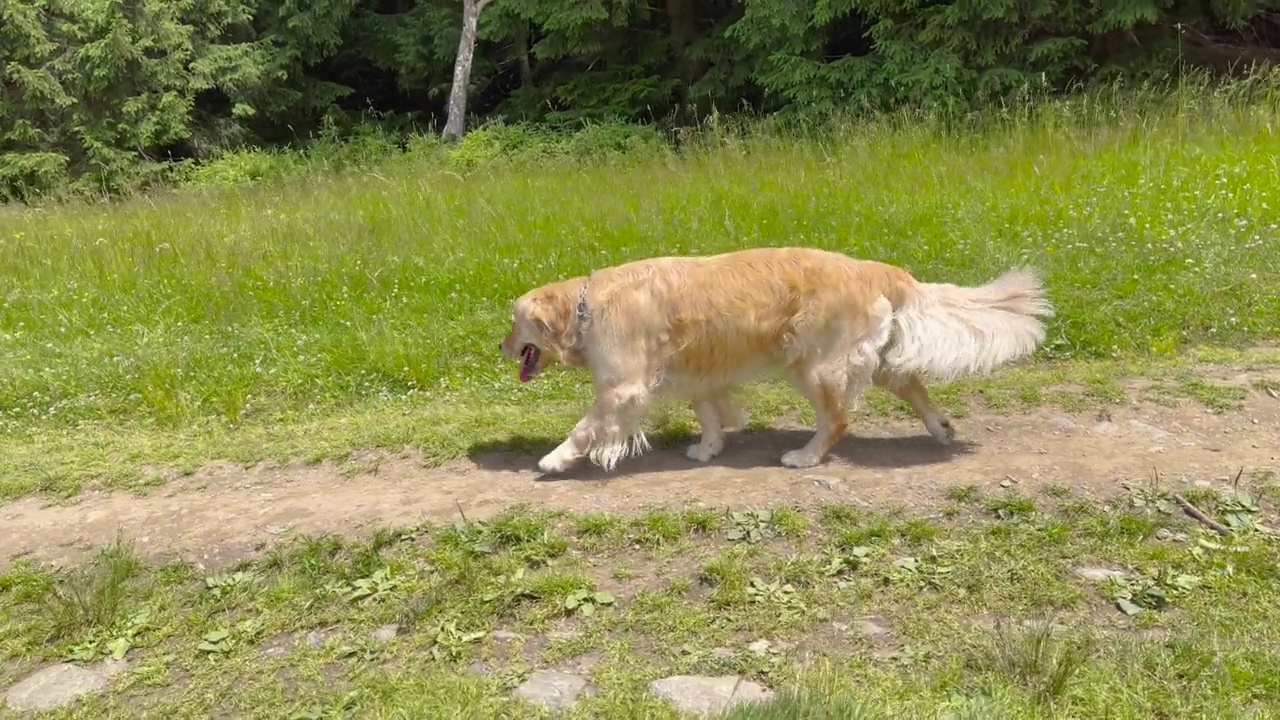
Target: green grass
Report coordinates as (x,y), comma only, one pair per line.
(323,314)
(982,615)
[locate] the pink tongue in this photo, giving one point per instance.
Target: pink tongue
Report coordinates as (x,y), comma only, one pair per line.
(526,362)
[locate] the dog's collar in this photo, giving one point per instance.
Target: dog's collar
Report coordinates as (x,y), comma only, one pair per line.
(582,313)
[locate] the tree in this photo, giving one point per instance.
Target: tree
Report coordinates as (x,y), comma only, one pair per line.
(456,122)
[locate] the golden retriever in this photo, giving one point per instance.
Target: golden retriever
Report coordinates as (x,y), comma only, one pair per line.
(699,327)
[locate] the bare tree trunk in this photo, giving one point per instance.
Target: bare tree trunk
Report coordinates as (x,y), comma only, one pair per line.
(682,21)
(522,47)
(456,123)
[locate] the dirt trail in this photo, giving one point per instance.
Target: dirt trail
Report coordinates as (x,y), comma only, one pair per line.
(224,512)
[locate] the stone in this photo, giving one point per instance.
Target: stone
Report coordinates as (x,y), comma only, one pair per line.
(478,667)
(503,636)
(111,667)
(760,647)
(1063,423)
(54,687)
(722,653)
(316,638)
(386,633)
(1105,427)
(701,695)
(1150,431)
(552,689)
(277,646)
(826,482)
(873,627)
(1098,574)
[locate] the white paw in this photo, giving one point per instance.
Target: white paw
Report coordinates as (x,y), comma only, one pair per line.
(801,458)
(943,432)
(552,463)
(702,452)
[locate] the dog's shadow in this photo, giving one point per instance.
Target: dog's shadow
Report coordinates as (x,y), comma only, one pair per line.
(744,450)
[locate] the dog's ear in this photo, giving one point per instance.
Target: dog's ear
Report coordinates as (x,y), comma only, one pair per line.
(551,315)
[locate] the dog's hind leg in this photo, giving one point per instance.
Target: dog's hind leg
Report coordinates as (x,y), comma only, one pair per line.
(826,389)
(832,386)
(712,442)
(911,388)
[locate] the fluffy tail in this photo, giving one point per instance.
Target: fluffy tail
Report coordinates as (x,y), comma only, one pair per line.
(948,331)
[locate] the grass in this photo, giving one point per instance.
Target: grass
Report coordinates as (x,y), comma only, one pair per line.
(311,317)
(862,615)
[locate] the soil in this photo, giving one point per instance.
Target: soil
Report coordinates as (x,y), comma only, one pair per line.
(224,513)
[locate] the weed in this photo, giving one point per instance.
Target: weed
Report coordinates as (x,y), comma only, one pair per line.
(1036,659)
(587,601)
(1012,507)
(751,526)
(1153,591)
(376,587)
(449,642)
(963,493)
(92,597)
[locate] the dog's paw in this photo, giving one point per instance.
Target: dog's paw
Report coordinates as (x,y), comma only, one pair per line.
(943,432)
(551,464)
(801,458)
(701,452)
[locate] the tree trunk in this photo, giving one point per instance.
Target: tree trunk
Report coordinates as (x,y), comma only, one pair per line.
(522,47)
(682,23)
(456,123)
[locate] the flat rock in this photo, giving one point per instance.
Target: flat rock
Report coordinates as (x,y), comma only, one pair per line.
(54,687)
(826,482)
(1098,574)
(1063,423)
(873,627)
(1150,431)
(386,633)
(552,689)
(317,638)
(702,695)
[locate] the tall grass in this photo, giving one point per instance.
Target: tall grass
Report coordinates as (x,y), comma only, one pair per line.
(1154,222)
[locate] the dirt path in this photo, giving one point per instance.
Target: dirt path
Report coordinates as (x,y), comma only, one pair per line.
(225,512)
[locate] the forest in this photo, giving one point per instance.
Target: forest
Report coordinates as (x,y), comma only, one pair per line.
(108,95)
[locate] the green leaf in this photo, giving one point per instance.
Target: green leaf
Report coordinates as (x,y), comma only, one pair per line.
(119,648)
(1127,607)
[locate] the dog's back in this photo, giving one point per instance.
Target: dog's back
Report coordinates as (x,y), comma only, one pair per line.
(707,322)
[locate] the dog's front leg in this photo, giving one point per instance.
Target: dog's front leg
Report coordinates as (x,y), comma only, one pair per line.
(569,452)
(608,432)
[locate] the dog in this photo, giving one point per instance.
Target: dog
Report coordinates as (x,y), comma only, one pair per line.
(698,327)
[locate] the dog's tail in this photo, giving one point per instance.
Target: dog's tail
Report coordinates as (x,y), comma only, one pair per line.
(948,331)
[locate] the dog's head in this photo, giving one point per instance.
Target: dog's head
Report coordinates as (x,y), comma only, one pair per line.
(542,327)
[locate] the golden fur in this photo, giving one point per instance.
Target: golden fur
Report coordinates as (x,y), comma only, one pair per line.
(698,327)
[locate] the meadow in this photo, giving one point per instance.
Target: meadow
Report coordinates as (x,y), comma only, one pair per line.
(323,314)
